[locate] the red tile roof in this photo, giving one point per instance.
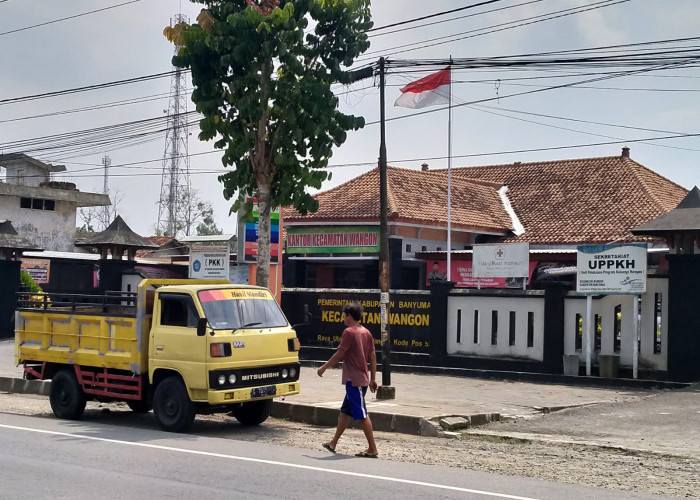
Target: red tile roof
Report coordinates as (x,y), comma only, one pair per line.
(588,200)
(413,197)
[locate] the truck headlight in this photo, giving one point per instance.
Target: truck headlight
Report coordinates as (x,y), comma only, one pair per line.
(285,373)
(293,372)
(232,379)
(222,379)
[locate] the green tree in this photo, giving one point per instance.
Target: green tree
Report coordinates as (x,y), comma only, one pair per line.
(207,226)
(262,73)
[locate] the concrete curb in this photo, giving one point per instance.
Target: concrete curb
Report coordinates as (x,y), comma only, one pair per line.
(307,414)
(328,417)
(21,386)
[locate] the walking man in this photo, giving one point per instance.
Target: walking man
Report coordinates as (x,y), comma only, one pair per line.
(355,349)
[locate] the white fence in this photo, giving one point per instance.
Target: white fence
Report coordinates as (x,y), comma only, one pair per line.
(512,326)
(613,326)
(496,326)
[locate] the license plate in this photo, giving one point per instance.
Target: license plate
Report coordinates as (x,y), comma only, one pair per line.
(261,392)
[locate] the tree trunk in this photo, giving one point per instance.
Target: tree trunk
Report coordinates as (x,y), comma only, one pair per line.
(262,275)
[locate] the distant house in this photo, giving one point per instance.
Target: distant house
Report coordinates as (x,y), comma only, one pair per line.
(41,210)
(553,206)
(168,248)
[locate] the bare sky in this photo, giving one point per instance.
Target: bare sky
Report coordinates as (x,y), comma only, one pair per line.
(126,42)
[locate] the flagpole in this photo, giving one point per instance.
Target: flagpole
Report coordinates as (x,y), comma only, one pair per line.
(449,178)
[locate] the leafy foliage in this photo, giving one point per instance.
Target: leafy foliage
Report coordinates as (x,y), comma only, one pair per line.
(262,73)
(28,282)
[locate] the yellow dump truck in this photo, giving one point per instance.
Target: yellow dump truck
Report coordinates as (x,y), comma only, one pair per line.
(180,347)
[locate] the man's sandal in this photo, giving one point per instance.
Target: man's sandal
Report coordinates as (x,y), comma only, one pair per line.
(327,446)
(364,454)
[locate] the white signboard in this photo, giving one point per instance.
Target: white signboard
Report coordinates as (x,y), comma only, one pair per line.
(612,269)
(209,262)
(507,260)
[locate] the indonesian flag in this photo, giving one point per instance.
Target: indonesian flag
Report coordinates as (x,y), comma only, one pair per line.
(428,91)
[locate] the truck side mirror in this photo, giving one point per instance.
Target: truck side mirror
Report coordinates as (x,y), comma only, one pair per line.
(201,327)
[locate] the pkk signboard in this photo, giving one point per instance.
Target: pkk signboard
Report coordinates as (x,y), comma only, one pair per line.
(612,269)
(209,262)
(510,260)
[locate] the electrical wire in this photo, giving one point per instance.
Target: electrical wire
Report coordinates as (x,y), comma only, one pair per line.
(67,18)
(437,14)
(501,27)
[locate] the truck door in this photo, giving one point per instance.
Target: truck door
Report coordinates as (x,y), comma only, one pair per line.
(175,342)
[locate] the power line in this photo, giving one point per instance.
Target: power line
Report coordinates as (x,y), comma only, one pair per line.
(86,88)
(430,16)
(501,27)
(405,160)
(125,102)
(66,18)
(455,18)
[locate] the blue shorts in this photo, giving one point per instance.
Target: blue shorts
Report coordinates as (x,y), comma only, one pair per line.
(354,402)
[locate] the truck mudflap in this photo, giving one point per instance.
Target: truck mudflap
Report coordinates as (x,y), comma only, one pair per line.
(244,394)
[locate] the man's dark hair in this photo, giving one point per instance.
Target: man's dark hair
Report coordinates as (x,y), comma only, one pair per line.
(354,309)
(435,263)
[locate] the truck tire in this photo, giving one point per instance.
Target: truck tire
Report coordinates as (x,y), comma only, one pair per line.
(253,413)
(139,406)
(66,396)
(172,406)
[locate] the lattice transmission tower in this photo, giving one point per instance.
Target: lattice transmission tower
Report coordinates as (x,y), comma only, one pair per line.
(175,188)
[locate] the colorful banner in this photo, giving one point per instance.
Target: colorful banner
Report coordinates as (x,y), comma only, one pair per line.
(335,240)
(250,248)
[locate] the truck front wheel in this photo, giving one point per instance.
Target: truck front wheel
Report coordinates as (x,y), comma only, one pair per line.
(253,413)
(66,396)
(172,406)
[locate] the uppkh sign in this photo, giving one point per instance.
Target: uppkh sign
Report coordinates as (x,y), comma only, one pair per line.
(612,269)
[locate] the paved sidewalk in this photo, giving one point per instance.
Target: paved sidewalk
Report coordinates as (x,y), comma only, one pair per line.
(422,401)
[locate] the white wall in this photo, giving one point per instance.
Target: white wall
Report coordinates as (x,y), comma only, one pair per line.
(503,305)
(49,230)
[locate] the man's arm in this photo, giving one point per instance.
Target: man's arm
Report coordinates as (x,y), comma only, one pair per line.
(335,359)
(337,356)
(372,370)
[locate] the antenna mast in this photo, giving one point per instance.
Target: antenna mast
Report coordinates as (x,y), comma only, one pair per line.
(175,178)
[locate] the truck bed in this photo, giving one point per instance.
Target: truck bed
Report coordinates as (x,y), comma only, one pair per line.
(80,335)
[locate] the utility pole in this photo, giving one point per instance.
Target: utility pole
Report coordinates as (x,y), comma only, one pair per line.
(385,391)
(107,162)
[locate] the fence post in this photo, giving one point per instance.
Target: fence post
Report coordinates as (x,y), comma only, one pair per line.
(439,293)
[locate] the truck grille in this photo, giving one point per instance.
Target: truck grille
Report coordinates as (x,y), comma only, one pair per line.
(251,377)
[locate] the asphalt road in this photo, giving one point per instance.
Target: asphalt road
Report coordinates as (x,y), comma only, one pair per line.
(50,458)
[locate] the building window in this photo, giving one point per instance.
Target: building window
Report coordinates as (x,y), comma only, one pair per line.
(617,328)
(657,323)
(408,247)
(37,204)
(578,339)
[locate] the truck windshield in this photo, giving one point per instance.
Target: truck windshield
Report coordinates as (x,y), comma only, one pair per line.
(231,309)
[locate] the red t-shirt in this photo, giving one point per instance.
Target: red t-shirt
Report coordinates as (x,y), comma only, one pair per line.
(355,347)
